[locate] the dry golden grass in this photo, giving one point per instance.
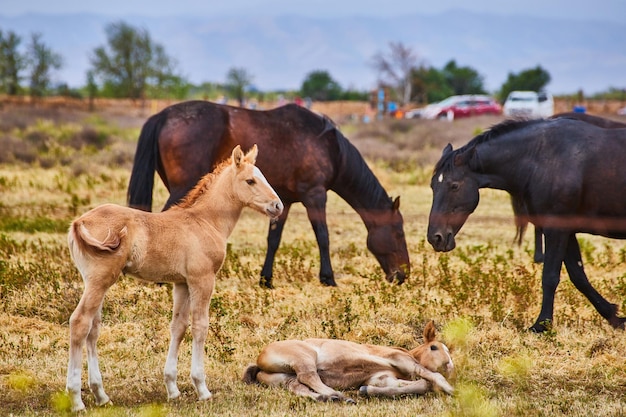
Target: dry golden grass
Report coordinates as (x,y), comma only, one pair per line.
(482,296)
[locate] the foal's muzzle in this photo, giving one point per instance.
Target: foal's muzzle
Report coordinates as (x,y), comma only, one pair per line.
(274,209)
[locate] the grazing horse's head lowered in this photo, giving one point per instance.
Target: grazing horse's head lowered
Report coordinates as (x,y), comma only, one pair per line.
(185,246)
(303,156)
(386,240)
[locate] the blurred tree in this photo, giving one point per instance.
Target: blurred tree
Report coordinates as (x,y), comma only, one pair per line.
(11,63)
(463,80)
(92,89)
(429,85)
(320,86)
(41,62)
(237,80)
(534,79)
(394,69)
(131,62)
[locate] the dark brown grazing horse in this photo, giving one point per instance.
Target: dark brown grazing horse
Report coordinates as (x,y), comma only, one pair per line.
(520,211)
(302,155)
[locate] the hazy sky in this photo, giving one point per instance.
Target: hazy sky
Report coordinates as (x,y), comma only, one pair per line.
(613,10)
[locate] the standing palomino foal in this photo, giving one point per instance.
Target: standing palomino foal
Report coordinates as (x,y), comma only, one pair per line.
(316,367)
(185,245)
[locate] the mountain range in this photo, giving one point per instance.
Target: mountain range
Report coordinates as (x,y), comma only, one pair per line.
(279,52)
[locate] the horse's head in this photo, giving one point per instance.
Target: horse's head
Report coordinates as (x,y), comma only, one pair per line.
(455,197)
(386,240)
(250,184)
(433,355)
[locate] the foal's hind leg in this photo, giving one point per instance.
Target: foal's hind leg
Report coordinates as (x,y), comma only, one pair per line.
(85,317)
(95,376)
(180,322)
(290,382)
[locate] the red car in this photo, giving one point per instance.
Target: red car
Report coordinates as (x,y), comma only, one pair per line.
(461,106)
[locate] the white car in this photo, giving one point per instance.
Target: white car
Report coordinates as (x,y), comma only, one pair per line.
(529,104)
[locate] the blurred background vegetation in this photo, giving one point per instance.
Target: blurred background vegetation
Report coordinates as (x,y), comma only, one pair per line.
(131,64)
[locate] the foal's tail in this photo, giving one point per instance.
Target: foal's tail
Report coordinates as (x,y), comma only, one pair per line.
(142,175)
(82,240)
(249,375)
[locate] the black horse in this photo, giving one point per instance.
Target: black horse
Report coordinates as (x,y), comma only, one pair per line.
(302,155)
(569,174)
(521,218)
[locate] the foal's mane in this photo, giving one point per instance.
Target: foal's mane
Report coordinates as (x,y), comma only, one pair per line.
(493,133)
(203,184)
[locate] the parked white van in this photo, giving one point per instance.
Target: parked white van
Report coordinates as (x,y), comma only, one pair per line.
(528,104)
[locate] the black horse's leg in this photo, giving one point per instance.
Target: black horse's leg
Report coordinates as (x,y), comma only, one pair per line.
(538,258)
(274,235)
(556,243)
(574,265)
(315,204)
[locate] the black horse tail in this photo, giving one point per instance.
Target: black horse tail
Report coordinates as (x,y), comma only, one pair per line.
(142,175)
(521,218)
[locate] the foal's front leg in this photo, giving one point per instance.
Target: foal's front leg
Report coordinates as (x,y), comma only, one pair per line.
(200,297)
(390,386)
(180,322)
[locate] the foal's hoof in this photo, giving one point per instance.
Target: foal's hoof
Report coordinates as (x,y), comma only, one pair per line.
(363,391)
(204,394)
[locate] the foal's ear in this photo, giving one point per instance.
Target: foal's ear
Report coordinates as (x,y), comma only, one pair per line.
(252,154)
(430,332)
(237,156)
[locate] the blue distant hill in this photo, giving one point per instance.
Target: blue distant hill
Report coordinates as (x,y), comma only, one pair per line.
(280,52)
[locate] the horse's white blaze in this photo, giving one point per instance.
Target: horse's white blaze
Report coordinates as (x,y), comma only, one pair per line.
(259,175)
(450,366)
(440,178)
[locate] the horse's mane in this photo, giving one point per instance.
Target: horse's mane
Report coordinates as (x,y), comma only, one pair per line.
(354,176)
(203,184)
(494,132)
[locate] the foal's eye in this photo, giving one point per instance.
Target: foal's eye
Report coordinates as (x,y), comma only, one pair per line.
(251,182)
(454,186)
(434,347)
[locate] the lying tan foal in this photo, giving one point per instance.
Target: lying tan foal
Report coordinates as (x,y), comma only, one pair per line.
(316,368)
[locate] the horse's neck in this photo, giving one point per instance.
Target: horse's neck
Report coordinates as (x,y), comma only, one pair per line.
(361,189)
(417,352)
(218,206)
(500,170)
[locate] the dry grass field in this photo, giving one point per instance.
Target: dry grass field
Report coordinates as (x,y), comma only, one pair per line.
(482,296)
